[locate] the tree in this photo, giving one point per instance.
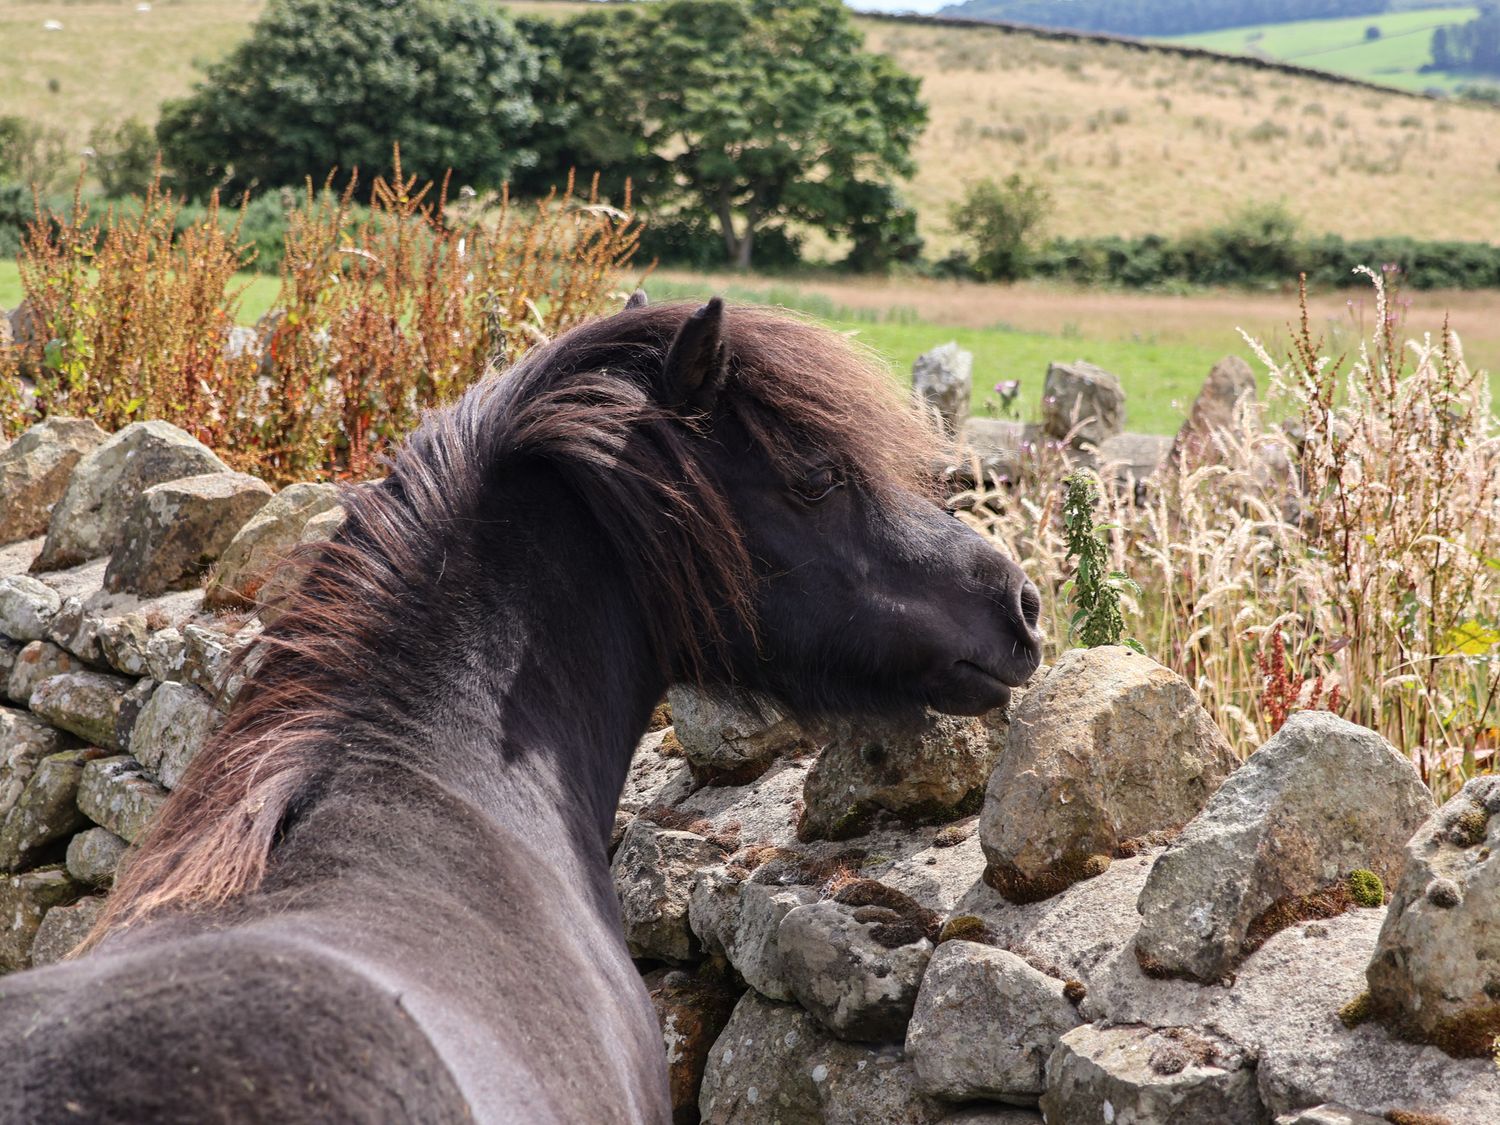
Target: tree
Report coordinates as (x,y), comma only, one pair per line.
(1001,222)
(758,112)
(124,157)
(325,83)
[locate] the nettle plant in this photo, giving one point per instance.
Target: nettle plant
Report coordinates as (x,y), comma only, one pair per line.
(1094,588)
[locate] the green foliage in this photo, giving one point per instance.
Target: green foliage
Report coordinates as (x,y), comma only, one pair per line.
(757,113)
(1095,588)
(1366,888)
(334,83)
(1001,222)
(1470,48)
(1161,17)
(124,157)
(31,154)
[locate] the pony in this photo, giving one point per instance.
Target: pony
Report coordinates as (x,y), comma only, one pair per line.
(382,892)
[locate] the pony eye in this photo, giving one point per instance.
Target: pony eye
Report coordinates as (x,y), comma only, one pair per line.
(818,484)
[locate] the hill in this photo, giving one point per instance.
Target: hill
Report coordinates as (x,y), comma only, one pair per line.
(1158,17)
(1129,139)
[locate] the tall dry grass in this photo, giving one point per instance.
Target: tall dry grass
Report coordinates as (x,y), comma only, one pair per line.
(1364,540)
(382,313)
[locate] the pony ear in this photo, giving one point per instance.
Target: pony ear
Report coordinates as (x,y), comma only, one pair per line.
(637,300)
(697,360)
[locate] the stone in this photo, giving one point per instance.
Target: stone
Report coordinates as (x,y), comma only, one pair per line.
(38,661)
(123,642)
(132,703)
(24,742)
(283,582)
(655,777)
(24,900)
(1133,458)
(923,775)
(47,810)
(1003,449)
(943,380)
(176,530)
(653,875)
(855,968)
(1082,404)
(166,655)
(27,607)
(172,727)
(1321,799)
(727,742)
(34,471)
(115,794)
(985,1024)
(872,1086)
(1229,383)
(208,655)
(74,629)
(1107,750)
(9,650)
(1435,974)
(261,545)
(63,928)
(89,520)
(1330,1114)
(692,1010)
(88,704)
(94,856)
(741,920)
(1149,1076)
(994,1115)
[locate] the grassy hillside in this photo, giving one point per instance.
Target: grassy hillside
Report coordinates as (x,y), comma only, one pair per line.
(1128,141)
(1396,58)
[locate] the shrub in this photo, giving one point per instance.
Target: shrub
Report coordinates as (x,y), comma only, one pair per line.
(31,154)
(124,159)
(382,314)
(1001,222)
(1095,589)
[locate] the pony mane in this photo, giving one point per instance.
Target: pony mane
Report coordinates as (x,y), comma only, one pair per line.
(587,404)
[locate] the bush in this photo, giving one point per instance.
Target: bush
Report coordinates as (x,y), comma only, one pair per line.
(1001,223)
(30,154)
(690,240)
(334,83)
(124,159)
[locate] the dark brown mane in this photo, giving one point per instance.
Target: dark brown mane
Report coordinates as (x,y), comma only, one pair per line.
(585,404)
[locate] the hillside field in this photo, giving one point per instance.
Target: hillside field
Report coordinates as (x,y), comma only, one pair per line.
(1128,141)
(1395,59)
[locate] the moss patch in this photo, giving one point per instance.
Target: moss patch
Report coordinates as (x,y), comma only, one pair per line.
(1366,888)
(1074,991)
(964,927)
(670,746)
(909,920)
(1021,889)
(1415,1117)
(1357,1011)
(1329,902)
(1469,827)
(661,716)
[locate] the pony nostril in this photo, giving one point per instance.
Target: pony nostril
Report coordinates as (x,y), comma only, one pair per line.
(1031,604)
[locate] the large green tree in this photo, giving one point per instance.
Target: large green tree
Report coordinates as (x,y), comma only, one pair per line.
(325,83)
(758,113)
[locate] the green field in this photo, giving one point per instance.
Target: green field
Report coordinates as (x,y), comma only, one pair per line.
(1395,59)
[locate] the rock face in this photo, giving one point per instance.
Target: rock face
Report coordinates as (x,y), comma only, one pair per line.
(1322,799)
(743,922)
(1435,975)
(985,1024)
(89,519)
(47,810)
(943,379)
(63,927)
(1083,401)
(1150,1077)
(34,471)
(27,607)
(692,1010)
(24,899)
(259,547)
(38,661)
(24,743)
(1230,382)
(1003,448)
(729,743)
(114,793)
(171,729)
(856,968)
(87,704)
(176,530)
(653,871)
(1134,458)
(926,775)
(1109,748)
(284,580)
(94,856)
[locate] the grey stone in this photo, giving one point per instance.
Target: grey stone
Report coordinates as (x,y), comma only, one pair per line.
(9,650)
(1133,458)
(726,741)
(1147,1076)
(123,642)
(261,546)
(284,580)
(116,794)
(24,741)
(1321,799)
(166,655)
(63,927)
(27,607)
(925,774)
(34,471)
(1435,974)
(843,968)
(943,380)
(985,1024)
(1229,383)
(76,630)
(1107,750)
(208,655)
(94,855)
(38,661)
(692,1009)
(171,729)
(132,703)
(1329,1114)
(1082,403)
(88,704)
(89,520)
(1003,450)
(47,810)
(655,777)
(872,1086)
(741,920)
(24,900)
(653,876)
(176,530)
(994,1115)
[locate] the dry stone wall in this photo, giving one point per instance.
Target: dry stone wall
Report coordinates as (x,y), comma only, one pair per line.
(1082,909)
